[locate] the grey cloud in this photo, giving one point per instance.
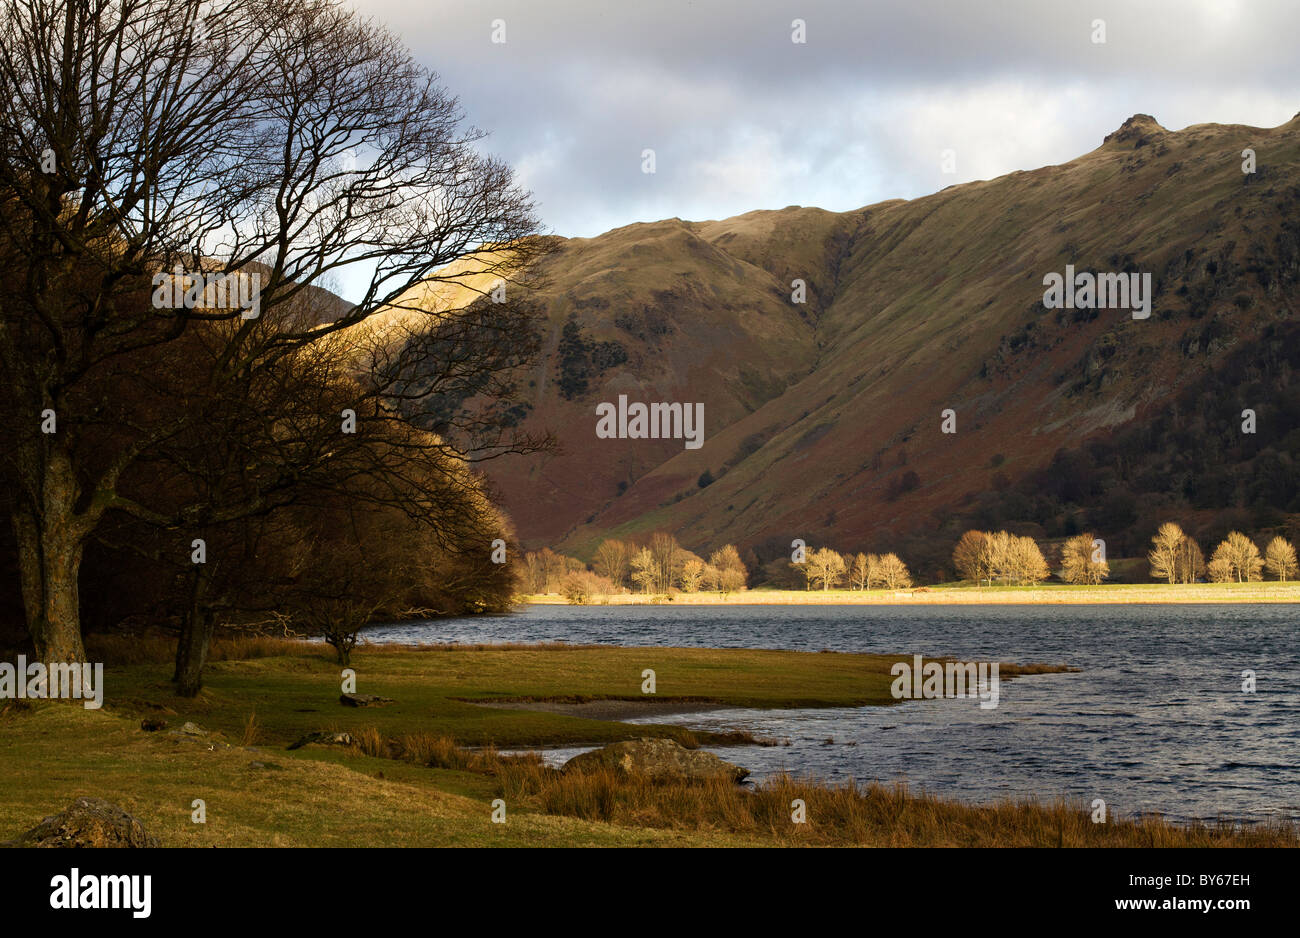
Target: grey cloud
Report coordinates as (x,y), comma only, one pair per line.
(741,118)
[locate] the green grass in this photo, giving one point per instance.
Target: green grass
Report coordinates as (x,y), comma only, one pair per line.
(55,752)
(433,688)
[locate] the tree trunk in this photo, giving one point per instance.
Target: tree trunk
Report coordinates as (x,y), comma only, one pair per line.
(31,574)
(50,547)
(62,601)
(192,651)
(196,635)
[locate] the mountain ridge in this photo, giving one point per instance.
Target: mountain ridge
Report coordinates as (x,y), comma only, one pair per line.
(823,418)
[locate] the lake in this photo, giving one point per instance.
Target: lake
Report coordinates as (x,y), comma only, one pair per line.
(1155,722)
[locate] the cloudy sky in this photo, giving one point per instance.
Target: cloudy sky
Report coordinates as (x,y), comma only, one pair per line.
(740,117)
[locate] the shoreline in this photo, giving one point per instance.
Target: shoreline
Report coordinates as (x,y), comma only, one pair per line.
(1258,593)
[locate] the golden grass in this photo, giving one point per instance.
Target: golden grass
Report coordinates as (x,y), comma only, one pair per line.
(851,815)
(251,730)
(441,752)
(52,753)
(834,815)
(160,648)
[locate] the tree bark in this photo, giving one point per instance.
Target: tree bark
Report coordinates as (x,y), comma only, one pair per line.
(51,543)
(192,652)
(196,637)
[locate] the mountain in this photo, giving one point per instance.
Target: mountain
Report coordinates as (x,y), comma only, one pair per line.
(824,420)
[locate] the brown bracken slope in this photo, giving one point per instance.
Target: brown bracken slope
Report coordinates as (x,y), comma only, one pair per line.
(823,419)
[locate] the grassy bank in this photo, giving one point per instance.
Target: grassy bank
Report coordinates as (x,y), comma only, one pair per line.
(292,688)
(948,594)
(407,779)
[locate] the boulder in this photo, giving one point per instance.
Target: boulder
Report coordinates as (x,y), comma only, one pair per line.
(660,759)
(88,822)
(364,700)
(193,733)
(323,739)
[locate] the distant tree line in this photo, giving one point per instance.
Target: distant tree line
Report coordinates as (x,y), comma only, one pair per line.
(659,567)
(662,566)
(1175,557)
(827,569)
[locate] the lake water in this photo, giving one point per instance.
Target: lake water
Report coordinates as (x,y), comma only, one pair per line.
(1156,720)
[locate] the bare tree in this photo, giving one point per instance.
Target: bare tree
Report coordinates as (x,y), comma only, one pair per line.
(613,560)
(581,587)
(1166,546)
(1236,558)
(824,566)
(875,572)
(287,140)
(668,558)
(971,557)
(858,572)
(1220,569)
(1027,561)
(1280,558)
(691,574)
(1190,561)
(353,564)
(533,572)
(731,572)
(645,571)
(1082,562)
(998,557)
(545,570)
(894,573)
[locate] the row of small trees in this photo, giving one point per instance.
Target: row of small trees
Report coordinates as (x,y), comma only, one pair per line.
(1002,557)
(1010,559)
(827,568)
(1177,558)
(984,556)
(663,565)
(658,567)
(544,571)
